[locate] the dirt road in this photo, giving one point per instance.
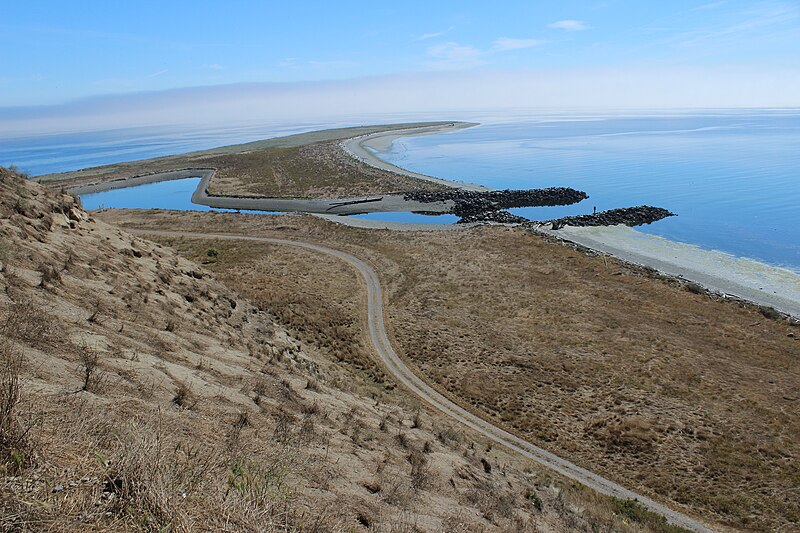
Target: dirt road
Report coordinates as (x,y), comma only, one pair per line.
(403,374)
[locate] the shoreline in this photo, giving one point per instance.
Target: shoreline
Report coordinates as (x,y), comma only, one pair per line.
(729,276)
(360,149)
(708,268)
(355,147)
(691,263)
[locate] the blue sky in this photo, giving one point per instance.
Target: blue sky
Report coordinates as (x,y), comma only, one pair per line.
(54,52)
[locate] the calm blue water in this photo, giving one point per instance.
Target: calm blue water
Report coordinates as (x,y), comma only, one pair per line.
(61,152)
(175,195)
(733,178)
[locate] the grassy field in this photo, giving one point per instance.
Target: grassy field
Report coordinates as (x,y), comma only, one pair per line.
(308,165)
(140,393)
(665,390)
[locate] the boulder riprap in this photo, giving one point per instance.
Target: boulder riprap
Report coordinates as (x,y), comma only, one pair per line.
(629,216)
(488,206)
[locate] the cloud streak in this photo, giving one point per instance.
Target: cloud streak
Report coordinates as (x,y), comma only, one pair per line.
(569,25)
(452,55)
(504,44)
(432,35)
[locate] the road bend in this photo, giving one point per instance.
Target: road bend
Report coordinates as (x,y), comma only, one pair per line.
(403,374)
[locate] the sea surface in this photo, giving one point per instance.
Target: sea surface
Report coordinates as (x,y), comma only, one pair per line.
(732,177)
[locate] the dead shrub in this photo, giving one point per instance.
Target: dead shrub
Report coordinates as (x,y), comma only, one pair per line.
(284,422)
(183,396)
(416,420)
(420,470)
(14,444)
(94,318)
(150,480)
(491,501)
(449,436)
(402,440)
(31,324)
(90,371)
(50,275)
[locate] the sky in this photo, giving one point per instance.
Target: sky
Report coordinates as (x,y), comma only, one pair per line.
(59,59)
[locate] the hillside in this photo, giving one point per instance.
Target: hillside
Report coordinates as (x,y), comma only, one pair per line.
(139,393)
(676,393)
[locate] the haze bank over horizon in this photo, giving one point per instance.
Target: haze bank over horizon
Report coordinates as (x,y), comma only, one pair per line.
(441,95)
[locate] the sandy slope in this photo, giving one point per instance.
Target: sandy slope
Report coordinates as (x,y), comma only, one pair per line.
(402,373)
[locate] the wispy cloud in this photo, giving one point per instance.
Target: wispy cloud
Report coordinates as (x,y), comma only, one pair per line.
(336,63)
(213,66)
(432,35)
(297,64)
(455,56)
(763,21)
(504,44)
(711,5)
(569,25)
(157,74)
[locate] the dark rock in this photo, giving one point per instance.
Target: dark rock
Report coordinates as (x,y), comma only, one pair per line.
(629,216)
(501,217)
(469,203)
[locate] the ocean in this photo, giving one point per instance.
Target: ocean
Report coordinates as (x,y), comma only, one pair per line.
(732,177)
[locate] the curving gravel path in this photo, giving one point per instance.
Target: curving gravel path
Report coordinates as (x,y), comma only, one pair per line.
(403,374)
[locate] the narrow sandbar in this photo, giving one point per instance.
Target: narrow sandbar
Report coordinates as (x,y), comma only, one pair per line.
(362,147)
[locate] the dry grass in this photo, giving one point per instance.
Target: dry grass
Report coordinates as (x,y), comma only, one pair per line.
(641,379)
(281,435)
(319,170)
(306,165)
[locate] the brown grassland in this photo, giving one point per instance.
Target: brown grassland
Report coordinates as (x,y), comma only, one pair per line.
(318,170)
(138,392)
(672,393)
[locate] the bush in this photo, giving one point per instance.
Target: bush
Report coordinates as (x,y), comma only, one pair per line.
(14,444)
(90,371)
(183,396)
(50,275)
(769,312)
(636,512)
(695,288)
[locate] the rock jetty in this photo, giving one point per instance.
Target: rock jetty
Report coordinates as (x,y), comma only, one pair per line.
(473,202)
(498,216)
(629,216)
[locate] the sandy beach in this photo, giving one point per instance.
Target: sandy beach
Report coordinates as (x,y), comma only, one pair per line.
(362,148)
(720,272)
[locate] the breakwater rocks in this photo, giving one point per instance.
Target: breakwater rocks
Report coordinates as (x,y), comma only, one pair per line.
(471,203)
(499,216)
(630,216)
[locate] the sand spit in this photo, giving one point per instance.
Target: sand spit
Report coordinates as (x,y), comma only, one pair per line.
(362,148)
(371,203)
